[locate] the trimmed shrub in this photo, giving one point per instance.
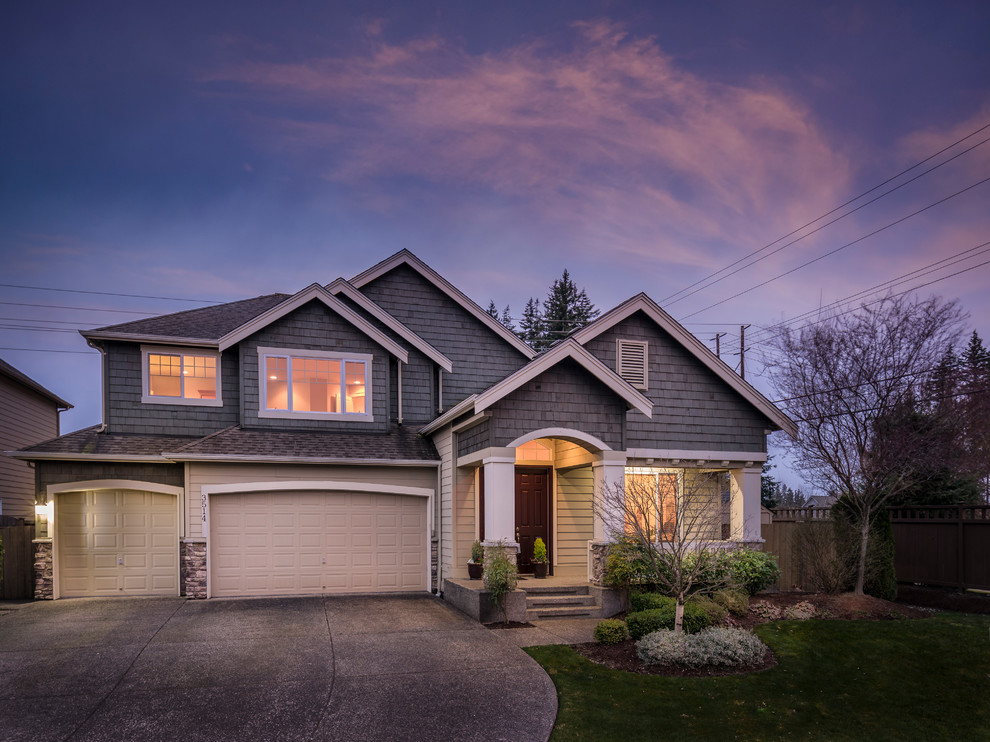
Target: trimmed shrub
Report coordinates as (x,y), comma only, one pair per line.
(501,577)
(751,570)
(648,601)
(716,613)
(610,631)
(735,602)
(623,565)
(540,551)
(718,647)
(643,622)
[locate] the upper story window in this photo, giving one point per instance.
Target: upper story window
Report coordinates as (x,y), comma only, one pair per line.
(632,362)
(180,376)
(308,384)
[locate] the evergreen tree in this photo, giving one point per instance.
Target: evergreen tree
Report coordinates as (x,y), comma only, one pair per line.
(491,309)
(507,319)
(531,325)
(768,485)
(566,309)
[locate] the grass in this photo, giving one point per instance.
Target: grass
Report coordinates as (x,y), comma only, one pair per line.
(836,680)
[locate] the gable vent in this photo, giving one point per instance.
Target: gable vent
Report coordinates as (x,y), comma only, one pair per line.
(631,362)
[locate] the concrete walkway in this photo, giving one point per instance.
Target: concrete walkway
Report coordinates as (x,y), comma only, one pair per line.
(333,668)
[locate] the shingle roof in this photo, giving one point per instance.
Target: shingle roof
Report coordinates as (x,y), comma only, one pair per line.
(207,323)
(400,443)
(90,441)
(9,371)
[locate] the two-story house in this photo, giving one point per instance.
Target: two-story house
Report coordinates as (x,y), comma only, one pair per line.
(358,436)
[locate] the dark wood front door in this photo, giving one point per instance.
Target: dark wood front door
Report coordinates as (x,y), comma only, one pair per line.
(532,512)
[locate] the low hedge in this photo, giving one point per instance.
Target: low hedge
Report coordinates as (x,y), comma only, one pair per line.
(610,631)
(641,623)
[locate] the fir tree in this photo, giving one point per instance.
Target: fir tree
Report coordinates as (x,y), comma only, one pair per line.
(566,309)
(492,311)
(507,319)
(531,325)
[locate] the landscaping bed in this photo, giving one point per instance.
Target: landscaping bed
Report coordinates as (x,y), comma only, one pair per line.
(763,609)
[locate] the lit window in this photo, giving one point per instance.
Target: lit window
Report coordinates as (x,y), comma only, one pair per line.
(326,384)
(177,377)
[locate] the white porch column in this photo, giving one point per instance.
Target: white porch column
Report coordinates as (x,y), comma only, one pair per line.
(744,504)
(610,476)
(499,471)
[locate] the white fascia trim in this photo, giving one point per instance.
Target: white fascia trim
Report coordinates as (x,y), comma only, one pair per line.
(146,458)
(316,484)
(156,339)
(341,286)
(643,303)
(710,456)
(407,258)
(313,291)
(247,459)
(569,348)
(114,484)
(452,414)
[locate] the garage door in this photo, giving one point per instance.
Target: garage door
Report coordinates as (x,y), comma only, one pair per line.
(117,542)
(305,543)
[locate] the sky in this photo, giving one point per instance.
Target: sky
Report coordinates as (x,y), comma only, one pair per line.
(202,152)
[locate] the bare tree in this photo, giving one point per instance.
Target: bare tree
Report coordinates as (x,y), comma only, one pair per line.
(844,379)
(673,518)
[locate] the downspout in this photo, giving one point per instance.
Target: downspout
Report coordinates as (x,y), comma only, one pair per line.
(398,378)
(103,385)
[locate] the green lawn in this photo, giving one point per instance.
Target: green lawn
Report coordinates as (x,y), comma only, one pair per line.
(916,679)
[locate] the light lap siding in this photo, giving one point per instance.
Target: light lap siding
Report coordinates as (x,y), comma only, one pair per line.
(28,418)
(575,517)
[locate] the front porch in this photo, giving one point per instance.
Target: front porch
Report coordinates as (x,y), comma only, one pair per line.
(536,599)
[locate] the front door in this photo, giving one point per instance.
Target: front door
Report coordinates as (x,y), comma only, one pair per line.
(532,512)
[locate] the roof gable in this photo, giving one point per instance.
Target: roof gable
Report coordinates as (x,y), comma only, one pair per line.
(26,381)
(404,257)
(566,349)
(340,286)
(308,294)
(643,303)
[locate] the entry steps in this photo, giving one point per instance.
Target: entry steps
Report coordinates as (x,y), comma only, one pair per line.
(558,601)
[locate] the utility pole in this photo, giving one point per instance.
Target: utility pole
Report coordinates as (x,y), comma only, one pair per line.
(742,350)
(718,345)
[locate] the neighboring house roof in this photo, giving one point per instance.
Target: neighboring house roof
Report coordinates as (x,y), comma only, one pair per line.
(21,378)
(568,348)
(308,294)
(404,257)
(206,324)
(643,303)
(340,286)
(400,445)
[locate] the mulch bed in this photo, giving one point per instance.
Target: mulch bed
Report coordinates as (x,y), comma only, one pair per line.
(847,606)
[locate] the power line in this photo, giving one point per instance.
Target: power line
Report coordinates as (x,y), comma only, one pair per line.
(106,293)
(47,350)
(86,309)
(829,213)
(841,247)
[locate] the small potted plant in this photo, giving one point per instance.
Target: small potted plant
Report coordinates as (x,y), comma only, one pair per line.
(540,561)
(476,566)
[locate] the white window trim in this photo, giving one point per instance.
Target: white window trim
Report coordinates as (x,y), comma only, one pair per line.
(646,361)
(263,410)
(147,398)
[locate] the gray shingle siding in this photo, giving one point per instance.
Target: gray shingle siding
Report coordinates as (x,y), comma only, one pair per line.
(480,357)
(63,472)
(565,396)
(314,326)
(126,413)
(693,408)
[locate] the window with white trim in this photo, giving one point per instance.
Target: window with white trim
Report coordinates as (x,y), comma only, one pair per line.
(314,384)
(189,376)
(632,362)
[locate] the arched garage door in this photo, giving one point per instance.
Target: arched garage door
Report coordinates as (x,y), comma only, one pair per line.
(117,542)
(312,542)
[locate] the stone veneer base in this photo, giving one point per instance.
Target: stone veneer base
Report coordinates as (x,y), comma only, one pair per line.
(44,574)
(192,567)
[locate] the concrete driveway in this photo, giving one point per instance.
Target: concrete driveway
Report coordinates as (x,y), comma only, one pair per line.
(331,668)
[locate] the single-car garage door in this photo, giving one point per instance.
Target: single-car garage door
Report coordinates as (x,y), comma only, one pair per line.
(305,543)
(117,542)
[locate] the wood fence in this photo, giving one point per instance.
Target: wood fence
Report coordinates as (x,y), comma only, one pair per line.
(17,582)
(932,546)
(943,546)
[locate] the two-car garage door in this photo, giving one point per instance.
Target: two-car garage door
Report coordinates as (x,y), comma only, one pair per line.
(311,542)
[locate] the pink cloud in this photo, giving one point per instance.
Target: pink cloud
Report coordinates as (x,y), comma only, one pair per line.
(610,138)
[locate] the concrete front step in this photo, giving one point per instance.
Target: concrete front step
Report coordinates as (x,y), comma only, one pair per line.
(590,611)
(531,589)
(558,601)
